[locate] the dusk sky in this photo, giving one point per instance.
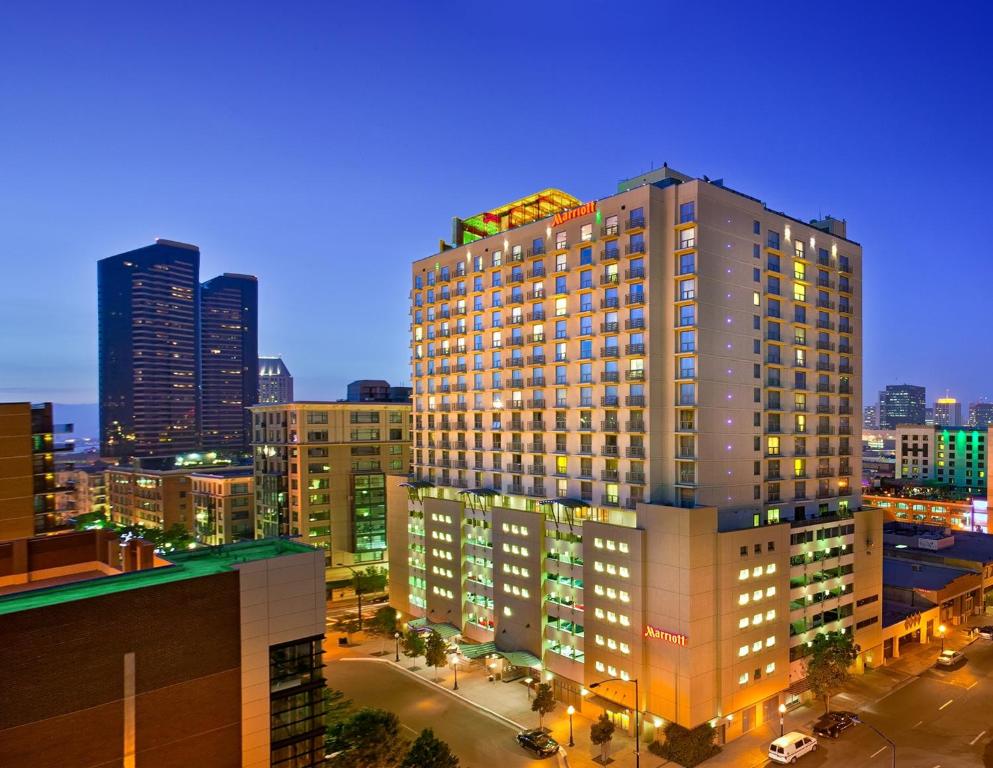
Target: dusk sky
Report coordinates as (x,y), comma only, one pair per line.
(324,146)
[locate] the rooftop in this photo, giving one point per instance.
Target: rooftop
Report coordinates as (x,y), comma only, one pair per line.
(184,565)
(914,575)
(895,612)
(968,545)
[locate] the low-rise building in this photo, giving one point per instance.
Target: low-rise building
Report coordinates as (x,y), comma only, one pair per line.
(210,657)
(87,484)
(931,506)
(224,504)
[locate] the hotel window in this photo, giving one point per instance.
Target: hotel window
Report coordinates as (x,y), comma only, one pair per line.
(586,232)
(561,240)
(743,651)
(743,622)
(770,641)
(743,679)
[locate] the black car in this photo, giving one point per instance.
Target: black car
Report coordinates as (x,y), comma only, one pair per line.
(833,723)
(538,742)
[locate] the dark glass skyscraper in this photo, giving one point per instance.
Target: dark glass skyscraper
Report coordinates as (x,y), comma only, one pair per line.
(901,404)
(149,350)
(229,309)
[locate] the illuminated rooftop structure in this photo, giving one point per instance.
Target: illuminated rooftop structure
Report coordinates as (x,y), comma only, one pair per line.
(548,202)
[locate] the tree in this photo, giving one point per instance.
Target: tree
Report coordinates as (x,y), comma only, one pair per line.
(832,653)
(601,732)
(686,746)
(543,701)
(372,579)
(427,751)
(384,621)
(435,653)
(336,710)
(413,645)
(348,625)
(370,739)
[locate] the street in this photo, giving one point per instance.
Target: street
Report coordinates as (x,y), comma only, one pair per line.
(941,718)
(477,739)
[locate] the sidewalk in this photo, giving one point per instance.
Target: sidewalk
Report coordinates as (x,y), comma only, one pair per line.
(508,701)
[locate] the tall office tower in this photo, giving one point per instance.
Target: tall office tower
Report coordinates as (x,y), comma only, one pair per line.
(637,434)
(869,417)
(275,381)
(320,475)
(149,350)
(980,415)
(229,353)
(29,492)
(901,404)
(947,412)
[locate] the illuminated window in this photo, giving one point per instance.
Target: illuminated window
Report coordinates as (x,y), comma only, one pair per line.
(743,678)
(743,598)
(770,667)
(743,651)
(742,622)
(770,615)
(742,574)
(770,641)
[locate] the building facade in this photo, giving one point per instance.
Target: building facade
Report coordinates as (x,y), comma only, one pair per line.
(149,350)
(602,391)
(275,381)
(211,657)
(947,412)
(229,352)
(320,475)
(870,417)
(224,505)
(980,415)
(901,404)
(87,484)
(952,456)
(29,489)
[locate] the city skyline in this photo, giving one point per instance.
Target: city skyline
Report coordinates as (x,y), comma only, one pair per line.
(293,193)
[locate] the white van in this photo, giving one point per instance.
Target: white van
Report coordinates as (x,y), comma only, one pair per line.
(786,749)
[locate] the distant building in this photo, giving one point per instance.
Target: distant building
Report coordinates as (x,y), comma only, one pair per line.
(377,391)
(320,474)
(149,350)
(275,381)
(224,505)
(980,415)
(229,351)
(929,416)
(901,404)
(158,492)
(29,490)
(947,412)
(210,657)
(953,456)
(870,418)
(87,486)
(177,358)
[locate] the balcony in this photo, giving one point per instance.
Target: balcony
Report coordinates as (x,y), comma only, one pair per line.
(825,324)
(825,345)
(607,500)
(536,271)
(685,243)
(609,230)
(636,375)
(823,366)
(611,302)
(610,254)
(560,426)
(636,273)
(634,249)
(634,222)
(539,381)
(536,425)
(637,297)
(609,279)
(536,360)
(609,401)
(536,447)
(536,469)
(635,478)
(845,368)
(609,351)
(610,376)
(536,250)
(636,425)
(634,324)
(610,475)
(825,387)
(537,316)
(825,429)
(825,409)
(637,401)
(635,452)
(610,426)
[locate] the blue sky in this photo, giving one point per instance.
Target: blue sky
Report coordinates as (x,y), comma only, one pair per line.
(324,146)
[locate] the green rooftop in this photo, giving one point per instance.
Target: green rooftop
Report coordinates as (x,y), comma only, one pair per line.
(205,561)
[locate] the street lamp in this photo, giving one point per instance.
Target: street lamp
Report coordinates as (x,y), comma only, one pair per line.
(941,631)
(527,682)
(396,636)
(637,704)
(571,710)
(454,656)
(782,712)
(358,591)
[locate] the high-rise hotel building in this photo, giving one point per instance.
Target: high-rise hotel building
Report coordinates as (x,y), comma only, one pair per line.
(636,448)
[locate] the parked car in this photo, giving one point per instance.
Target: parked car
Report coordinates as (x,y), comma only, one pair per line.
(950,658)
(538,742)
(786,749)
(833,723)
(986,632)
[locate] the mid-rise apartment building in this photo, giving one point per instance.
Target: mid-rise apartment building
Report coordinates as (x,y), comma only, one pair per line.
(320,475)
(206,657)
(29,488)
(948,455)
(87,484)
(637,446)
(158,492)
(224,505)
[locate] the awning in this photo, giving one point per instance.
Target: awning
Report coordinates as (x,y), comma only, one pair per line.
(444,630)
(567,503)
(477,650)
(474,651)
(521,658)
